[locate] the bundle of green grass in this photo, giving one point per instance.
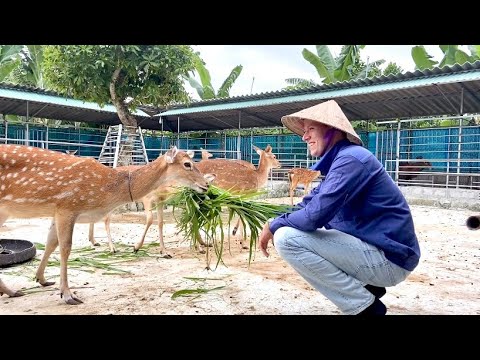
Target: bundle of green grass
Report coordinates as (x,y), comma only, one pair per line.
(207,213)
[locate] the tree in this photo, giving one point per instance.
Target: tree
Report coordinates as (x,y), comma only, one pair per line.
(9,59)
(392,69)
(347,66)
(29,72)
(125,75)
(205,89)
(298,83)
(451,55)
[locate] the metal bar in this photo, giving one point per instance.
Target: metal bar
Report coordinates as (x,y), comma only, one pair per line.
(419,119)
(239,138)
(397,152)
(459,150)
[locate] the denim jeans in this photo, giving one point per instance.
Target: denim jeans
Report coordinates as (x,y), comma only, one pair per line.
(338,265)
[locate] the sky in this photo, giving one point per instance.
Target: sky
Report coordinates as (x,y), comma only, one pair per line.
(265,67)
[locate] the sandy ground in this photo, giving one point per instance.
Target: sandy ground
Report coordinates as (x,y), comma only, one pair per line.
(447,281)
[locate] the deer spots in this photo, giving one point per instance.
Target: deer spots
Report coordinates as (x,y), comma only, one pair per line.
(25,168)
(63,195)
(2,187)
(13,161)
(22,181)
(21,200)
(4,156)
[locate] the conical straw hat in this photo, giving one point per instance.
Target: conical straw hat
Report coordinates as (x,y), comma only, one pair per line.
(328,113)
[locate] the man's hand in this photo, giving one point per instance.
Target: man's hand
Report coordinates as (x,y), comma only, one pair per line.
(264,238)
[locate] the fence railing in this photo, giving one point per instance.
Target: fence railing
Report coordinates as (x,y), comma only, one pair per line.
(453,151)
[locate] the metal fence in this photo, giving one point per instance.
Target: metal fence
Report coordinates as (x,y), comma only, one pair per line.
(404,148)
(435,156)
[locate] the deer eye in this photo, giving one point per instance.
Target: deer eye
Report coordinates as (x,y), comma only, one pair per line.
(188,165)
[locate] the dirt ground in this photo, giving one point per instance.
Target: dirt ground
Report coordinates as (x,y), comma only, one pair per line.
(447,280)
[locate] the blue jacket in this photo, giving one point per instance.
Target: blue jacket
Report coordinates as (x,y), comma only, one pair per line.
(359,198)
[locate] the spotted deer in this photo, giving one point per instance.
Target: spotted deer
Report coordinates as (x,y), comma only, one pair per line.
(206,155)
(36,182)
(233,176)
(298,176)
(151,201)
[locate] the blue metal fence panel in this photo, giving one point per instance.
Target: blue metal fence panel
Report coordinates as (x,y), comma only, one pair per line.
(451,149)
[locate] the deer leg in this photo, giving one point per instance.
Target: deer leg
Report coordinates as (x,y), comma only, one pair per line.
(235,228)
(65,225)
(163,249)
(9,292)
(199,243)
(50,246)
(107,220)
(3,218)
(239,228)
(148,212)
(91,236)
(305,191)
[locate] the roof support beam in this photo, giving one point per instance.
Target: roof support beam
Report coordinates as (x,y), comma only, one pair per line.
(256,116)
(446,98)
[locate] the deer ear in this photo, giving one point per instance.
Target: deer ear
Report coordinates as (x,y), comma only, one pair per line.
(170,154)
(209,177)
(257,149)
(268,148)
(191,153)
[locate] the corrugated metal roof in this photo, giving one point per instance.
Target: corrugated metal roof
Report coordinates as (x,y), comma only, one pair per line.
(414,94)
(438,91)
(51,105)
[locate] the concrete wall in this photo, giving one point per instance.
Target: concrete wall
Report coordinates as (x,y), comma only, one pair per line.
(418,195)
(442,197)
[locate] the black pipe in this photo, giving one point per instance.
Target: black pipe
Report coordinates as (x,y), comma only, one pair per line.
(473,222)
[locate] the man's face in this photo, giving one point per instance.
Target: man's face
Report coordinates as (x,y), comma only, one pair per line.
(314,134)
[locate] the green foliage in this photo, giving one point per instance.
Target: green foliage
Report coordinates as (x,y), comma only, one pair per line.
(147,74)
(9,60)
(204,212)
(347,66)
(297,83)
(205,88)
(451,55)
(392,69)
